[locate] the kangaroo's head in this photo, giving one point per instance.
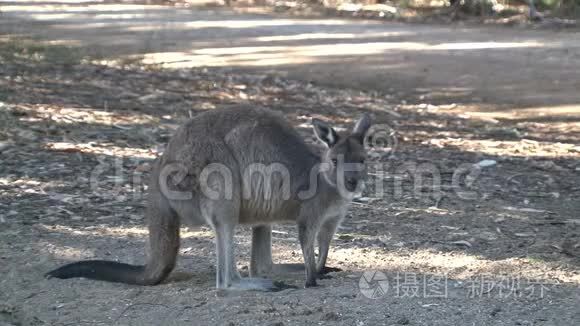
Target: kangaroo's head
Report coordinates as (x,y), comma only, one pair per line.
(344,158)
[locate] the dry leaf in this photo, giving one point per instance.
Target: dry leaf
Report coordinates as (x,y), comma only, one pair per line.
(462,243)
(524,234)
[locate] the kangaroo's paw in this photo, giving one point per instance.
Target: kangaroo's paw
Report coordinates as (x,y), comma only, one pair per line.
(310,283)
(294,268)
(327,269)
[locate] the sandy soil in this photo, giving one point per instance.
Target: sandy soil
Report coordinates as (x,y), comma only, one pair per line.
(502,249)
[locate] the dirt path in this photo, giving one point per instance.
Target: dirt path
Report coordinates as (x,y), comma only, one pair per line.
(489,65)
(502,247)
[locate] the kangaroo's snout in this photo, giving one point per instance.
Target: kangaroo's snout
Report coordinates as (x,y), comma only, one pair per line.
(351,183)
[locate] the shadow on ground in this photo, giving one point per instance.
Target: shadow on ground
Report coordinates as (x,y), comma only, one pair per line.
(69,121)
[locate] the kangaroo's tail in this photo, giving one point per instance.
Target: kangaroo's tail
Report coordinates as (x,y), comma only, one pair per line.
(164,244)
(104,271)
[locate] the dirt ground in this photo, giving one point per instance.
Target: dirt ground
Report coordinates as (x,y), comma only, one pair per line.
(91,92)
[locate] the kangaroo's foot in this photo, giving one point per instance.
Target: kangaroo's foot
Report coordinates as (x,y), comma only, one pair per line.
(295,268)
(326,269)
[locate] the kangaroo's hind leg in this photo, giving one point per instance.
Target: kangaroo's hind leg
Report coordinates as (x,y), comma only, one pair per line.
(226,272)
(222,216)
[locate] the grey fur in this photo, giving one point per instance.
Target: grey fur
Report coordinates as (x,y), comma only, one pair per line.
(240,139)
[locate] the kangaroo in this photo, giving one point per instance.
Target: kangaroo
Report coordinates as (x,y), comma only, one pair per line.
(242,166)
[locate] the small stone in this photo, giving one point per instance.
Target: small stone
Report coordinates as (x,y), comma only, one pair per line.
(486,163)
(494,312)
(135,217)
(331,316)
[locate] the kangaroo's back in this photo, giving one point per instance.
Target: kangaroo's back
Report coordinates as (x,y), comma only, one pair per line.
(264,152)
(253,135)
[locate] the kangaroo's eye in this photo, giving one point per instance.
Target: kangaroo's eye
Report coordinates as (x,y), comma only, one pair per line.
(334,161)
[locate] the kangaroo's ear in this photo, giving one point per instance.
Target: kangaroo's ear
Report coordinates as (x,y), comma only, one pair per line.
(324,132)
(362,126)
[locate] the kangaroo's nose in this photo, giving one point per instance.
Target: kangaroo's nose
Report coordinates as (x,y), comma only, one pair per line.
(351,182)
